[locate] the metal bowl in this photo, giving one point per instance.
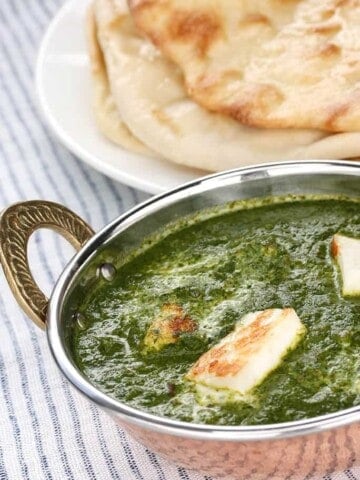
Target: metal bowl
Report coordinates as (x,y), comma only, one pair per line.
(293,450)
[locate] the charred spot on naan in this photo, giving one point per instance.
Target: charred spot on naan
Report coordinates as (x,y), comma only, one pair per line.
(198,28)
(335,114)
(329,50)
(263,97)
(209,83)
(141,4)
(255,19)
(346,3)
(325,28)
(327,13)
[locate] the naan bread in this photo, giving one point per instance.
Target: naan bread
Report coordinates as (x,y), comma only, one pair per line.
(266,63)
(106,114)
(150,96)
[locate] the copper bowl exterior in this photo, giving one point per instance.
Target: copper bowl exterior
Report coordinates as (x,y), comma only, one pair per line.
(296,458)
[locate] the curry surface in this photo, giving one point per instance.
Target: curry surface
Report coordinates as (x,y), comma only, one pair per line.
(250,258)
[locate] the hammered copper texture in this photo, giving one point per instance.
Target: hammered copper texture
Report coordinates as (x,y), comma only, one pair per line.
(296,458)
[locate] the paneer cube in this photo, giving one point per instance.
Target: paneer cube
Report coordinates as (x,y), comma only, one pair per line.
(245,357)
(346,251)
(167,327)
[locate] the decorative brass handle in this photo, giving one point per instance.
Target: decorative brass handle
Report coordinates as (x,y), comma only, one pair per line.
(17,223)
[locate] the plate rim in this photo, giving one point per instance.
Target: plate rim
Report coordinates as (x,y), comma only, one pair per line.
(81,154)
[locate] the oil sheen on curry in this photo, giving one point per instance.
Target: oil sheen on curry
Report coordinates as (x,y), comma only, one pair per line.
(245,314)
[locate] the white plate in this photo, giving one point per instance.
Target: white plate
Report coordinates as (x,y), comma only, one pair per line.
(63,87)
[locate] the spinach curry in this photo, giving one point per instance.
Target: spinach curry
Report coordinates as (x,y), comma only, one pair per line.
(245,257)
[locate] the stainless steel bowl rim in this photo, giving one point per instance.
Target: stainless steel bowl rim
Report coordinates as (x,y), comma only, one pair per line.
(166,425)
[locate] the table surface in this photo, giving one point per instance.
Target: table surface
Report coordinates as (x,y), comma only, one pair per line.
(47,430)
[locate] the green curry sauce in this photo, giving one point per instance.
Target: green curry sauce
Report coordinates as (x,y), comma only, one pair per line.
(251,256)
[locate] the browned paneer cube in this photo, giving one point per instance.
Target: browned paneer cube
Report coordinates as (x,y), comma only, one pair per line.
(167,327)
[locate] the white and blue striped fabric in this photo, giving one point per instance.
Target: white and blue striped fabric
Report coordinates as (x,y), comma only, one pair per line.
(47,430)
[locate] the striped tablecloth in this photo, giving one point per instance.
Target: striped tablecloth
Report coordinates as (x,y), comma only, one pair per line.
(47,430)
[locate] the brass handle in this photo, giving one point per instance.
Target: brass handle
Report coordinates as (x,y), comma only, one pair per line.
(17,223)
